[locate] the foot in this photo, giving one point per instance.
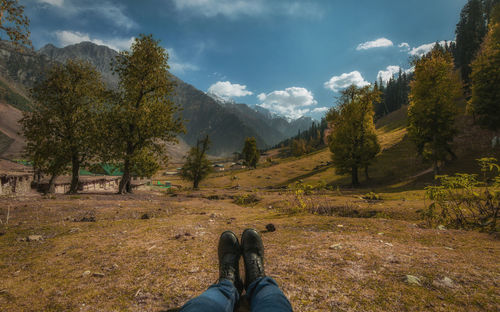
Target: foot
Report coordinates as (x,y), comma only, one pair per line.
(229,257)
(252,249)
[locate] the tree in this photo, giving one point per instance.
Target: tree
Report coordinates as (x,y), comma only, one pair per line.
(470,32)
(142,115)
(435,90)
(353,140)
(63,126)
(250,152)
(197,167)
(485,77)
(14,23)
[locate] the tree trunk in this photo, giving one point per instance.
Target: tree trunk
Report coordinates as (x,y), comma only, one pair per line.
(436,168)
(354,172)
(366,173)
(75,174)
(195,184)
(125,186)
(51,189)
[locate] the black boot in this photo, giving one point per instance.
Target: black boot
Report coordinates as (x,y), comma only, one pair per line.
(252,249)
(229,257)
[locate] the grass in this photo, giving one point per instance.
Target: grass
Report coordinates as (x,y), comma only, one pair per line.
(13,98)
(160,263)
(5,142)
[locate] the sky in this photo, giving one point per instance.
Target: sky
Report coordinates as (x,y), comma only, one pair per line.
(289,56)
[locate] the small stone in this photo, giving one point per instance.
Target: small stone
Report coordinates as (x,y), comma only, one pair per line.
(389,244)
(34,238)
(449,248)
(412,280)
(336,246)
(380,233)
(97,274)
(270,227)
(340,225)
(75,230)
(441,227)
(178,236)
(444,282)
(86,273)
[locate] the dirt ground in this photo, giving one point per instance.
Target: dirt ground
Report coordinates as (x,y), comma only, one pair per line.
(154,251)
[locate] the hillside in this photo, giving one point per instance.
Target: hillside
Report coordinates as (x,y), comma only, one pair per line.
(226,126)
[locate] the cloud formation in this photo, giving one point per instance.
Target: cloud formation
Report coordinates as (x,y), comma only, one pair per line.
(337,83)
(177,66)
(378,43)
(235,8)
(110,12)
(228,90)
(425,48)
(291,102)
(66,37)
(388,73)
(404,46)
(58,3)
(320,109)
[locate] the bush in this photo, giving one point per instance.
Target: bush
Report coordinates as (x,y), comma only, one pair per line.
(246,199)
(372,196)
(462,201)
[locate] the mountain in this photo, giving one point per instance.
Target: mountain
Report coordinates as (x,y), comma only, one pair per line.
(227,124)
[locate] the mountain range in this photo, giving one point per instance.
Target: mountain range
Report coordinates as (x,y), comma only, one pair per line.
(226,123)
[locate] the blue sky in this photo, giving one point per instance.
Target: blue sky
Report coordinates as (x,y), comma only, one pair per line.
(289,56)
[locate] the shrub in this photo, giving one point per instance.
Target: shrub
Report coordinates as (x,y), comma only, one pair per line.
(246,199)
(462,201)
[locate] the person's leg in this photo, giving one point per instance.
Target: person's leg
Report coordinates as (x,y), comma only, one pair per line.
(265,295)
(220,297)
(262,291)
(223,296)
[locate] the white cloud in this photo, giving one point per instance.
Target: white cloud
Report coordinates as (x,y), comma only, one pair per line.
(235,8)
(228,90)
(404,46)
(425,48)
(320,109)
(337,83)
(177,66)
(58,3)
(379,43)
(109,12)
(388,73)
(66,37)
(291,102)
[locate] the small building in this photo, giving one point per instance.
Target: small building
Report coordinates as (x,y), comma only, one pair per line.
(218,167)
(15,184)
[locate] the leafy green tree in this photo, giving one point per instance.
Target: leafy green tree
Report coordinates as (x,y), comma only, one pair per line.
(63,126)
(250,152)
(485,78)
(353,140)
(435,90)
(142,115)
(470,32)
(14,23)
(197,166)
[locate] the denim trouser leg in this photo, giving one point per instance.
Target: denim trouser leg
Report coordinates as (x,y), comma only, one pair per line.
(265,296)
(219,297)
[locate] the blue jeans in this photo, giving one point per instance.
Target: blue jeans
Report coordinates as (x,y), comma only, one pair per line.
(264,296)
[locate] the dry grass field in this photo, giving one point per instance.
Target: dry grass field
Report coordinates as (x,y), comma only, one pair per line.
(153,251)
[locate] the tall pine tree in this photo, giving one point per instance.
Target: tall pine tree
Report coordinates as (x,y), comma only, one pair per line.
(485,77)
(435,91)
